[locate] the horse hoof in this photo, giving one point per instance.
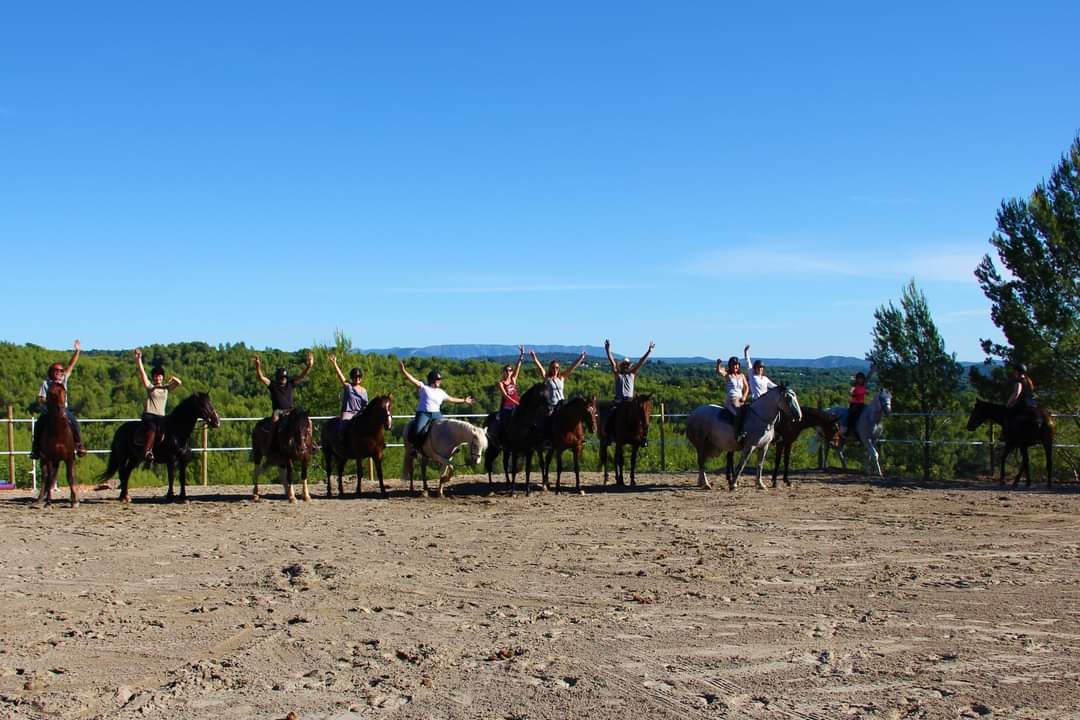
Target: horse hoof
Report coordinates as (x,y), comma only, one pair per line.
(581,492)
(292,500)
(126,499)
(256,498)
(37,504)
(74,503)
(761,486)
(704,484)
(307,498)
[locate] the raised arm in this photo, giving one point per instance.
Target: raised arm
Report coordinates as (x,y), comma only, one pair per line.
(174,382)
(611,360)
(142,371)
(337,370)
(410,378)
(869,374)
(577,363)
(539,366)
(517,365)
(74,359)
(720,369)
(307,368)
(746,356)
(643,358)
(259,372)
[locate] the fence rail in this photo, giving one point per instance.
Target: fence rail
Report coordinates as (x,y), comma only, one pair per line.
(663,418)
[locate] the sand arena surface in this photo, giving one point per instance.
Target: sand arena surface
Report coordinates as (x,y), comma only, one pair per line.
(838,598)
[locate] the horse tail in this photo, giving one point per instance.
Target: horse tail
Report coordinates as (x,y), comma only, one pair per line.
(115,452)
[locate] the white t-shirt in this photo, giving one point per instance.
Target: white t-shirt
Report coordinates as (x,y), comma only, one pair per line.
(431,398)
(759,386)
(44,391)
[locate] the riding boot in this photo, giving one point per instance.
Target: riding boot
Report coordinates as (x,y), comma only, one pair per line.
(76,434)
(740,436)
(35,445)
(148,444)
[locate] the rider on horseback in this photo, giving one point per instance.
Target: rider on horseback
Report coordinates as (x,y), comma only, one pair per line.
(354,396)
(157,394)
(554,384)
(1021,403)
(858,401)
(429,406)
(281,389)
(736,392)
(58,375)
(508,388)
(624,373)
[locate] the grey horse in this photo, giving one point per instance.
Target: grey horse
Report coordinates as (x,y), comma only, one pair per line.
(711,432)
(445,436)
(868,429)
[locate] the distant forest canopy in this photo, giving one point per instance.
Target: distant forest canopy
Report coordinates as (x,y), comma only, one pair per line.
(105,382)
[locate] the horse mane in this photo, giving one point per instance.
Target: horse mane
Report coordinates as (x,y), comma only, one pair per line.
(533,395)
(55,393)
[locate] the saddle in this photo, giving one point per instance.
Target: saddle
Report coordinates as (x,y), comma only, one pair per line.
(416,439)
(726,416)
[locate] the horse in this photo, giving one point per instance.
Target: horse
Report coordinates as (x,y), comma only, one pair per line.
(521,434)
(172,450)
(361,436)
(567,432)
(710,430)
(628,425)
(57,446)
(444,436)
(283,444)
(788,430)
(868,429)
(1021,433)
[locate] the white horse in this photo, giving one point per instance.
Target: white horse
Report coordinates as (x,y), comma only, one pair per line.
(711,432)
(444,437)
(868,428)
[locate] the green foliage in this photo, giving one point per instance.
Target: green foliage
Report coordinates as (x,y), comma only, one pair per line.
(909,356)
(1036,302)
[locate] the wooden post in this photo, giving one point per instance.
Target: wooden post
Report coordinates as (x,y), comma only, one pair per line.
(205,455)
(370,470)
(663,448)
(11,443)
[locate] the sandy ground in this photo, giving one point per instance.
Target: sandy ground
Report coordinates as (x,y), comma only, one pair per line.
(837,598)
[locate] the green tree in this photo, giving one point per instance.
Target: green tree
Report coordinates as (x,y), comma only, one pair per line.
(909,356)
(1035,300)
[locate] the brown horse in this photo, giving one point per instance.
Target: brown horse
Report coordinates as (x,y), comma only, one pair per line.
(362,436)
(1021,431)
(788,429)
(283,444)
(629,425)
(520,434)
(567,432)
(57,446)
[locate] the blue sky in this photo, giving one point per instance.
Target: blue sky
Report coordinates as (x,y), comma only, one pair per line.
(425,173)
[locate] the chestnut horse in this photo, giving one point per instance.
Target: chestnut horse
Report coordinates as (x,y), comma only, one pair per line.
(788,429)
(283,444)
(172,450)
(629,425)
(1020,432)
(362,436)
(57,446)
(567,432)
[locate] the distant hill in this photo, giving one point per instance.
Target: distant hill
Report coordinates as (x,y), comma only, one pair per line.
(595,352)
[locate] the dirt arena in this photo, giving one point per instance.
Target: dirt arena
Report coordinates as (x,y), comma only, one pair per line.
(838,598)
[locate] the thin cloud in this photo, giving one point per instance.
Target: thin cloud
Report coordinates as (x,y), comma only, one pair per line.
(503,289)
(922,264)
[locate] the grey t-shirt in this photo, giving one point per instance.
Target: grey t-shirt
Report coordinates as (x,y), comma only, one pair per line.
(624,386)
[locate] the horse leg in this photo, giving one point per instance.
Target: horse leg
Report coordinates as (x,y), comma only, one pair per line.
(874,455)
(703,479)
(761,466)
(528,471)
(558,470)
(577,469)
(603,458)
(169,472)
(377,460)
(734,483)
(71,482)
(776,466)
(125,473)
(1025,468)
(303,479)
(730,467)
(633,463)
(286,476)
(1048,447)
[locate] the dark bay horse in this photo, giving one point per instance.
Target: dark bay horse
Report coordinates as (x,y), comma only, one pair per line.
(57,446)
(567,432)
(362,436)
(628,425)
(172,450)
(283,444)
(788,429)
(1021,432)
(518,435)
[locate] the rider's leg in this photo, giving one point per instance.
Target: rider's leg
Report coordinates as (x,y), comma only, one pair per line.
(740,417)
(76,433)
(35,445)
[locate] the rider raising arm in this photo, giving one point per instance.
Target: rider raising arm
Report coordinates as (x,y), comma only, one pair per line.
(431,398)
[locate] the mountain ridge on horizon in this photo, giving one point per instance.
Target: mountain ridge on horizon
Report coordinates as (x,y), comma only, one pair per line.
(466,351)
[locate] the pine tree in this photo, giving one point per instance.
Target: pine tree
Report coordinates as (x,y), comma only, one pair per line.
(1036,300)
(910,358)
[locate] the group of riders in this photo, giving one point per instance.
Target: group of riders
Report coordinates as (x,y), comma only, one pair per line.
(739,392)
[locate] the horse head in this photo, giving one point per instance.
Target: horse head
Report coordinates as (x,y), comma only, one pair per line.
(388,406)
(979,414)
(477,445)
(590,411)
(297,432)
(205,409)
(790,403)
(57,396)
(884,398)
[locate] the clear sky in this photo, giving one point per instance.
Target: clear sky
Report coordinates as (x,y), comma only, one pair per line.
(700,174)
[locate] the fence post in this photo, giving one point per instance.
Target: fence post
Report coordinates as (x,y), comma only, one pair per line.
(33,463)
(370,471)
(663,446)
(205,455)
(926,448)
(11,443)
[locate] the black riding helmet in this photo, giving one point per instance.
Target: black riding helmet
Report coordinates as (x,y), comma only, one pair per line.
(1020,368)
(732,363)
(356,374)
(759,364)
(157,370)
(433,376)
(281,373)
